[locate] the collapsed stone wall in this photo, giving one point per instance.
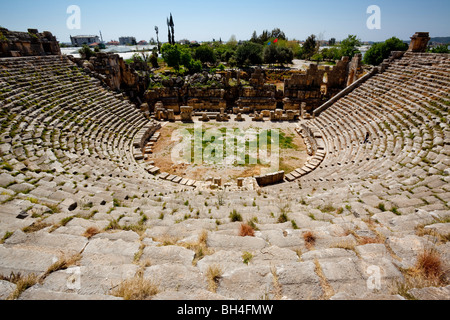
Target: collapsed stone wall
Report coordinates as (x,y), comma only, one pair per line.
(31,43)
(258,95)
(249,91)
(315,85)
(116,74)
(202,99)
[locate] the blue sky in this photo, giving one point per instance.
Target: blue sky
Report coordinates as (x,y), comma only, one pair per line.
(204,20)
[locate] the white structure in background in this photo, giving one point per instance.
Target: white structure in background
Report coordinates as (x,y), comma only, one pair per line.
(127,41)
(78,41)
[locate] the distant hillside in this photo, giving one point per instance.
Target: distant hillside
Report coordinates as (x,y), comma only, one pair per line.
(444,40)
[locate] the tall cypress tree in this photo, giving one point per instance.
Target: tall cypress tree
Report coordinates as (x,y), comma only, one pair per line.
(172,27)
(168,28)
(157,38)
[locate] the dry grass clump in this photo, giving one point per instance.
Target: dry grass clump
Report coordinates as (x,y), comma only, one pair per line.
(328,290)
(62,264)
(213,275)
(422,231)
(200,247)
(368,240)
(167,240)
(22,282)
(347,245)
(246,230)
(90,232)
(136,288)
(36,226)
(277,289)
(310,239)
(362,240)
(429,271)
(429,265)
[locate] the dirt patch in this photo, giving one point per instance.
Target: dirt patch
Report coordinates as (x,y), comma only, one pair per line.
(292,155)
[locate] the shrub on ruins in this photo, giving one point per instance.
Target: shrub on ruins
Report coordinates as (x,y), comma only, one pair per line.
(177,55)
(249,53)
(86,52)
(171,55)
(154,59)
(382,50)
(195,66)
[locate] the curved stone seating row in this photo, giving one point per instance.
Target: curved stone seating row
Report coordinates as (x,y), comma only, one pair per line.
(405,114)
(49,106)
(316,148)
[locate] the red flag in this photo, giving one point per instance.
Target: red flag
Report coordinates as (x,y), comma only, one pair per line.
(275,41)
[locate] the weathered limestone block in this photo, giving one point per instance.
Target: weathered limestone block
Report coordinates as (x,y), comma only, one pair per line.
(247,282)
(269,179)
(258,117)
(234,242)
(89,280)
(25,261)
(419,42)
(168,254)
(186,113)
(431,293)
(204,117)
(6,288)
(239,117)
(175,276)
(299,281)
(107,252)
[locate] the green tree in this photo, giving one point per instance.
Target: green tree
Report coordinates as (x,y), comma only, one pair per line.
(278,34)
(195,66)
(205,54)
(300,53)
(286,55)
(349,46)
(249,53)
(317,57)
(254,37)
(277,54)
(382,50)
(232,42)
(331,54)
(440,49)
(310,47)
(185,57)
(171,55)
(270,54)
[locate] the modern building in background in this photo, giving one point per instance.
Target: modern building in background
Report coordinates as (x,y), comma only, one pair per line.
(78,41)
(127,41)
